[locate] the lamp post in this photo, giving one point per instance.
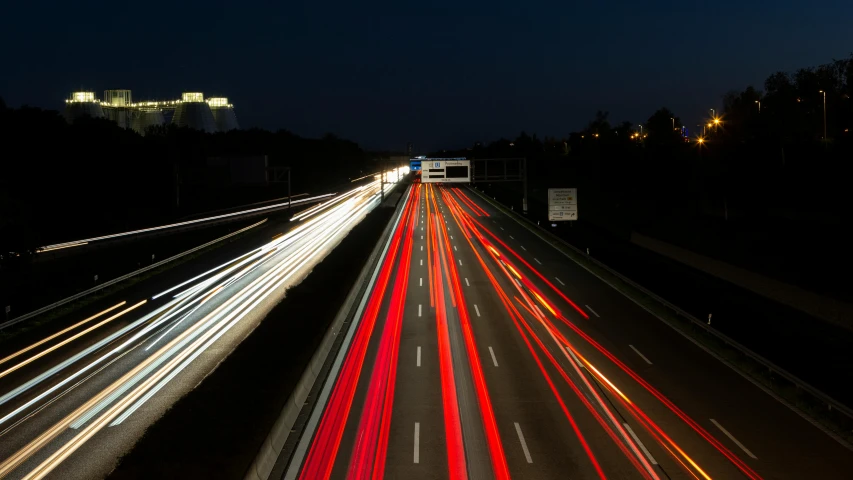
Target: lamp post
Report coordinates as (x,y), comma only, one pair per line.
(759,105)
(824,115)
(673,122)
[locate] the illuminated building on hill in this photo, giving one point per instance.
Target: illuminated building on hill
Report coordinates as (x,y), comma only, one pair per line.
(212,115)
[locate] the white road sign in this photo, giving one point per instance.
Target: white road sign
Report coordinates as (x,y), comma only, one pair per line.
(562,204)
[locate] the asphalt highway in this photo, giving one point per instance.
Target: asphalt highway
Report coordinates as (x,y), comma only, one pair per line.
(483,352)
(67,399)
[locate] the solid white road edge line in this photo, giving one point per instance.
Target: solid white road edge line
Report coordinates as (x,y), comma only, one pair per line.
(593,311)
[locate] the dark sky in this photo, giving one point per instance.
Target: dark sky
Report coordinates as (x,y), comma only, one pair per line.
(438,73)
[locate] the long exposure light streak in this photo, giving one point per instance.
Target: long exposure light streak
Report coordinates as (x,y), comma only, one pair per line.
(77,243)
(68,340)
(562,340)
(61,332)
(326,442)
(189,323)
(496,452)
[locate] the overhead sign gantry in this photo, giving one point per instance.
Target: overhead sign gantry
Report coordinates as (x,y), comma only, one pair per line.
(445,170)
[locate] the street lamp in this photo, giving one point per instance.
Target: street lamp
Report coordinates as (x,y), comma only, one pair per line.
(824,115)
(759,105)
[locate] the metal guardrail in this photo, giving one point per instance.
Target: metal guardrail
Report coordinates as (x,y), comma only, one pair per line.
(120,279)
(830,402)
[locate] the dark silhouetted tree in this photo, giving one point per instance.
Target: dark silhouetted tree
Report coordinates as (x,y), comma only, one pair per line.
(664,128)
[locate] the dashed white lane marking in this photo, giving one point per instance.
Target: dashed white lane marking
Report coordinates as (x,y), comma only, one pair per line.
(523,443)
(419,309)
(561,282)
(522,247)
(591,310)
(460,262)
(640,354)
(642,447)
(419,357)
(454,248)
(422,229)
(512,237)
(476,309)
(500,227)
(494,359)
(466,282)
(537,260)
(746,450)
(422,237)
(576,359)
(451,237)
(422,262)
(417,458)
(422,248)
(421,282)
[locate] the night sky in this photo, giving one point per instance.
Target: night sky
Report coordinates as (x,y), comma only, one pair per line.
(438,73)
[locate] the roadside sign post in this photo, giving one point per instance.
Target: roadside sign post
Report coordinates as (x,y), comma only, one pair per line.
(562,204)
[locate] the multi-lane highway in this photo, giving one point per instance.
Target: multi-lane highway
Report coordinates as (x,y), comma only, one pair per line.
(482,352)
(68,399)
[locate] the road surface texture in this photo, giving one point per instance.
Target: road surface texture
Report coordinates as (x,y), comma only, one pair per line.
(482,352)
(72,402)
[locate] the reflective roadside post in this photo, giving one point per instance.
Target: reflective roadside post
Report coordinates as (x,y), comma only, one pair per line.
(709,319)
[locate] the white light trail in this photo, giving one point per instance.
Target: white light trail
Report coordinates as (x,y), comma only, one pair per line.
(229,293)
(77,243)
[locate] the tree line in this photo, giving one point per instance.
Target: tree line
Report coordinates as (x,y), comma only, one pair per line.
(752,165)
